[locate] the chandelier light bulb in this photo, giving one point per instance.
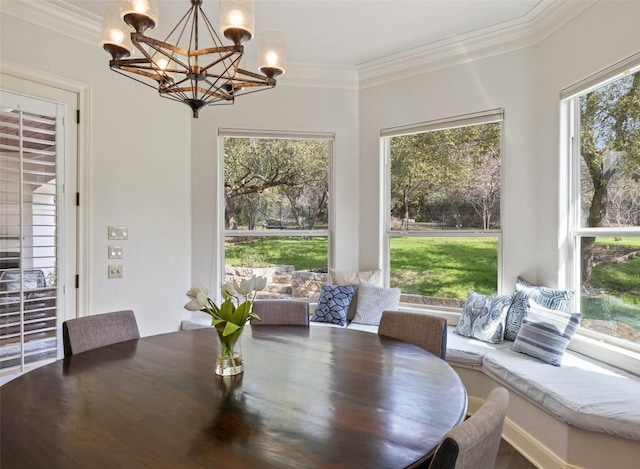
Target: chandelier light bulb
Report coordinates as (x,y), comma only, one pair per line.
(116,35)
(115,39)
(162,63)
(272,53)
(141,6)
(271,58)
(141,15)
(236,18)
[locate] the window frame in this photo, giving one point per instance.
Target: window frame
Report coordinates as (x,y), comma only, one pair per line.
(608,349)
(478,118)
(219,252)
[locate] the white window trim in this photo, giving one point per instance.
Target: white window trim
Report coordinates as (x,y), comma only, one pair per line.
(218,261)
(616,352)
(477,118)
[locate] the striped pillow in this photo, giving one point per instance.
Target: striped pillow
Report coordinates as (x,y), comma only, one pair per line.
(545,333)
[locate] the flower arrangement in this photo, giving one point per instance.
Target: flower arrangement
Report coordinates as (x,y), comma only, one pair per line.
(229,318)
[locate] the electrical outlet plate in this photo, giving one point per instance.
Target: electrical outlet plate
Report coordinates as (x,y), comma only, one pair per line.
(115,271)
(118,232)
(115,252)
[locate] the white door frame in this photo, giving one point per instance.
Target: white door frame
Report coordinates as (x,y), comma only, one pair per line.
(83,91)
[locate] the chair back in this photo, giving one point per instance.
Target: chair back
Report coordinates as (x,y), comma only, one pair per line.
(425,330)
(474,443)
(90,332)
(281,313)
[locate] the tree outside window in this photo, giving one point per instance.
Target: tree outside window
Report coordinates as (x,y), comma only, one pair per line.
(607,201)
(444,211)
(276,212)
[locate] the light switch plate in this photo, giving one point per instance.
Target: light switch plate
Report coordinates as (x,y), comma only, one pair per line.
(115,252)
(118,232)
(115,271)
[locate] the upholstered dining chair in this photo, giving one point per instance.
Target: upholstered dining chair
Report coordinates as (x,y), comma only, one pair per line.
(90,332)
(425,330)
(474,443)
(281,313)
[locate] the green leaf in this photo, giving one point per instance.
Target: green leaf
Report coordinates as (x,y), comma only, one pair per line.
(230,328)
(226,310)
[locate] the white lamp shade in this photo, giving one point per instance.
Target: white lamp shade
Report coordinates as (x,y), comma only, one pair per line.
(114,31)
(272,51)
(237,15)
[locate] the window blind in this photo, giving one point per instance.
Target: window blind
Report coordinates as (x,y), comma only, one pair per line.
(483,117)
(28,232)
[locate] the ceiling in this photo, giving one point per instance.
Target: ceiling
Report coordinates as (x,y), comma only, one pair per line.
(355,32)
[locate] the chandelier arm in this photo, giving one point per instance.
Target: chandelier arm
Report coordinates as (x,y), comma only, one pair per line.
(139,71)
(120,72)
(204,91)
(137,38)
(257,76)
(227,67)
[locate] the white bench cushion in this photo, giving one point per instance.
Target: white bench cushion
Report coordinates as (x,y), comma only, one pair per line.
(468,351)
(581,392)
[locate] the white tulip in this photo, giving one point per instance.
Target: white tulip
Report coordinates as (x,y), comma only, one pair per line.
(193,305)
(197,289)
(260,284)
(227,290)
(246,286)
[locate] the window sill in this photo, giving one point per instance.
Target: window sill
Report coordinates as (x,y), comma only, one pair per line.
(604,352)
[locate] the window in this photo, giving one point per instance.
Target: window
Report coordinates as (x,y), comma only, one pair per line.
(277,210)
(603,122)
(443,189)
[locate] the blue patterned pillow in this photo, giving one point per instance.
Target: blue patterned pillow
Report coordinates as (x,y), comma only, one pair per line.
(557,300)
(333,304)
(483,317)
(545,333)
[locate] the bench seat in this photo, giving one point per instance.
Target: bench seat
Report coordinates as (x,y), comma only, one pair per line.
(583,393)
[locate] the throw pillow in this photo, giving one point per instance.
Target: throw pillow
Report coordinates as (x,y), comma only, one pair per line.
(372,301)
(545,333)
(346,277)
(483,317)
(333,304)
(557,300)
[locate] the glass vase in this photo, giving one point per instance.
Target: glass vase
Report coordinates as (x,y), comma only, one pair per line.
(229,361)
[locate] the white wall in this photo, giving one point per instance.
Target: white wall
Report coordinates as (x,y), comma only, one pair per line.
(285,108)
(506,81)
(139,159)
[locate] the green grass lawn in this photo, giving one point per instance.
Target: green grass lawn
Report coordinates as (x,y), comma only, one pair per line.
(450,267)
(620,284)
(303,253)
(444,267)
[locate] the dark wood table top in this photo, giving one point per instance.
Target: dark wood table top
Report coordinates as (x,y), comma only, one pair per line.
(308,398)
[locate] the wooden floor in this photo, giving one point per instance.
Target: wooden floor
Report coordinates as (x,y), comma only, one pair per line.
(509,458)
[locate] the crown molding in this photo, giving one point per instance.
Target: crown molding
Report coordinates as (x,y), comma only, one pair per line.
(58,16)
(543,20)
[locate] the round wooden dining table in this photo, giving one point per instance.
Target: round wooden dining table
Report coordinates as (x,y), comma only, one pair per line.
(310,397)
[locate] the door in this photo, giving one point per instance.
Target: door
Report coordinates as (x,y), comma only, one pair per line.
(38,180)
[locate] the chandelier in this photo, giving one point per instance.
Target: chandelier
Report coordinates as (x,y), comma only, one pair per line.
(192,65)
